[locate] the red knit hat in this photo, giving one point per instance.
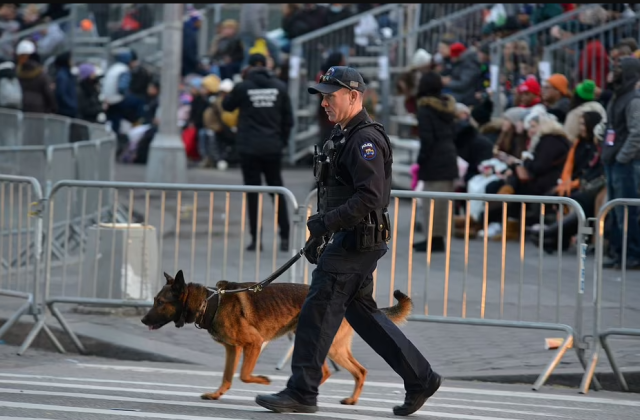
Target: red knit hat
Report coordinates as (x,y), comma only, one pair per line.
(530,85)
(456,49)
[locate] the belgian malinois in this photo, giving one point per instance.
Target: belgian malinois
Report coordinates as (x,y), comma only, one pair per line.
(242,322)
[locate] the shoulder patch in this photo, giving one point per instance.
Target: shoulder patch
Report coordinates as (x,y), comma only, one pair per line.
(368,150)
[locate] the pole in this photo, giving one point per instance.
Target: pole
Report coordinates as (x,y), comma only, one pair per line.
(167,161)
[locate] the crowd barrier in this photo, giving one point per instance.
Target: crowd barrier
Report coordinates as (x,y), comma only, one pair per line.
(573,56)
(203,230)
(527,45)
(609,308)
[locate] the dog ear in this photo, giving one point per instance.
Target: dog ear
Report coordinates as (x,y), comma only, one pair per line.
(169,278)
(179,284)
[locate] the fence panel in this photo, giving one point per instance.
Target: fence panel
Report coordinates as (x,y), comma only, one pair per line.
(202,229)
(57,129)
(396,54)
(516,56)
(29,161)
(616,308)
(11,123)
(21,251)
(34,129)
(488,280)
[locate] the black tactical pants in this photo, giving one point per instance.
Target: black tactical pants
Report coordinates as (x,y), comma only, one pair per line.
(341,287)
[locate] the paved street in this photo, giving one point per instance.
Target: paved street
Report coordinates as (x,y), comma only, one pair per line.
(534,289)
(84,388)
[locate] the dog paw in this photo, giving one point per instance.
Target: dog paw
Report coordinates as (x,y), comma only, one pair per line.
(211,396)
(260,379)
(348,401)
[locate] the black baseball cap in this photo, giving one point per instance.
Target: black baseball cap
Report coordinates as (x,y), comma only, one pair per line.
(256,59)
(338,77)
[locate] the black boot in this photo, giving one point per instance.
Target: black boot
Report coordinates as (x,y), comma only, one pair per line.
(569,229)
(282,402)
(415,400)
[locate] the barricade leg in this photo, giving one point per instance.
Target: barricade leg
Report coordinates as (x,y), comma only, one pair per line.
(23,310)
(39,325)
(591,369)
(612,361)
(66,327)
(568,341)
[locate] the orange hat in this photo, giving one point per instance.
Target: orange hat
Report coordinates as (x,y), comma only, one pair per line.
(560,83)
(456,49)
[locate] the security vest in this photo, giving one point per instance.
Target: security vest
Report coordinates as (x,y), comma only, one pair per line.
(333,191)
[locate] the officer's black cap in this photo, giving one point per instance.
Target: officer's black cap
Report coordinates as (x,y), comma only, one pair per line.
(339,77)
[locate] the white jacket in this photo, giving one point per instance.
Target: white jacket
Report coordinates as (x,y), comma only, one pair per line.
(110,91)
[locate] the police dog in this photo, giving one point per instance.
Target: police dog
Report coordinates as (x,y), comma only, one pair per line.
(242,322)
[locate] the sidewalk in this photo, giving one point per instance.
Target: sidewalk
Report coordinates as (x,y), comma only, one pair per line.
(488,353)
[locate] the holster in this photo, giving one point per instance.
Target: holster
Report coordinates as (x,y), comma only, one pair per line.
(373,230)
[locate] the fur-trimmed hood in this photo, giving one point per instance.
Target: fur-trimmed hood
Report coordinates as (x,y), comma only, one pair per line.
(445,105)
(547,127)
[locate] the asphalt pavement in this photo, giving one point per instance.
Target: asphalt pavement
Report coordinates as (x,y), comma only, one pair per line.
(57,387)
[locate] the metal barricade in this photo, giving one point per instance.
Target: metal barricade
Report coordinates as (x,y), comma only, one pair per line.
(451,292)
(525,46)
(396,54)
(611,312)
(307,55)
(120,264)
(584,55)
(11,123)
(21,222)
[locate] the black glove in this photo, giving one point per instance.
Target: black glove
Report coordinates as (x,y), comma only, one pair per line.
(316,226)
(310,250)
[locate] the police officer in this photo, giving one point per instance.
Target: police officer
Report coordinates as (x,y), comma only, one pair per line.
(353,174)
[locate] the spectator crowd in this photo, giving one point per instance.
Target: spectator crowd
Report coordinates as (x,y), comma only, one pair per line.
(574,133)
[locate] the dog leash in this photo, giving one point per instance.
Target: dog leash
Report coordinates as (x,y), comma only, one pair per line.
(259,286)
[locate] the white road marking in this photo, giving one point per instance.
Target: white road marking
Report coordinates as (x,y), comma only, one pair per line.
(495,393)
(234,407)
(67,409)
(266,390)
(252,399)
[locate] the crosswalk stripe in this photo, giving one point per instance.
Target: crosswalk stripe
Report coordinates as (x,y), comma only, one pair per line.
(227,397)
(461,390)
(240,398)
(267,390)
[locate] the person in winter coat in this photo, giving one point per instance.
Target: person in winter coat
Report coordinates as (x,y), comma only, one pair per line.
(10,89)
(583,100)
(117,94)
(621,158)
(437,156)
(264,126)
(89,104)
(471,146)
(66,93)
(190,33)
(556,96)
(582,180)
(37,95)
(541,165)
(466,74)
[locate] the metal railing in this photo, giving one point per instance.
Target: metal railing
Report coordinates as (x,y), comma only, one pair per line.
(119,263)
(611,317)
(396,54)
(306,58)
(584,56)
(456,297)
(527,45)
(20,273)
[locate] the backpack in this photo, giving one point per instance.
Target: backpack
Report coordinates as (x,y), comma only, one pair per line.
(10,89)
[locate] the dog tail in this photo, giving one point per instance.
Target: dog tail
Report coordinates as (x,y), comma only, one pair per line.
(399,312)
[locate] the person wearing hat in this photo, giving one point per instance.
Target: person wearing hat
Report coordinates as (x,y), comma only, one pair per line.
(348,236)
(37,95)
(621,158)
(466,74)
(584,99)
(556,95)
(264,126)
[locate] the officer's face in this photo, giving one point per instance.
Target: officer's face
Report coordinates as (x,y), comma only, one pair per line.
(339,105)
